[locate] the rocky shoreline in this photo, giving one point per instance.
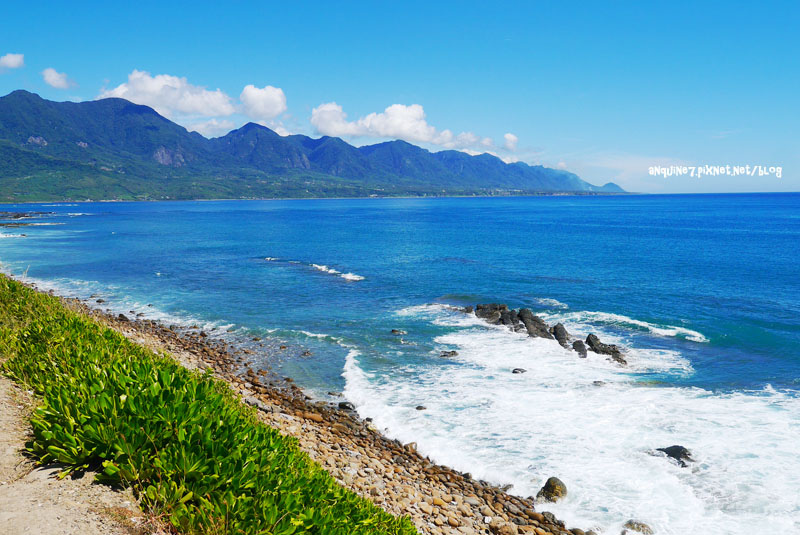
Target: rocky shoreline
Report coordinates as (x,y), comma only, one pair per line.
(438,499)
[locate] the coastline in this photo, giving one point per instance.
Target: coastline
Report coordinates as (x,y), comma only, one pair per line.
(446,196)
(392,475)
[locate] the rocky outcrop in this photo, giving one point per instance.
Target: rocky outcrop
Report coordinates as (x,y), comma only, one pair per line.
(611,350)
(169,157)
(37,140)
(560,334)
(679,454)
(524,319)
(552,491)
(491,312)
(535,325)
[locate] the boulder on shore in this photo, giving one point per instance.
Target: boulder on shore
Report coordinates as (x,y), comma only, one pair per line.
(535,325)
(552,491)
(678,453)
(560,334)
(611,350)
(638,527)
(580,347)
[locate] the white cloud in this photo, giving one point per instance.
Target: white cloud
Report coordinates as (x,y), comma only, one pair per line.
(212,127)
(397,121)
(263,103)
(172,95)
(506,159)
(12,61)
(510,141)
(279,129)
(55,79)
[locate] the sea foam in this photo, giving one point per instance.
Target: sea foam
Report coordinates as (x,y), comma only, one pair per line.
(580,320)
(593,424)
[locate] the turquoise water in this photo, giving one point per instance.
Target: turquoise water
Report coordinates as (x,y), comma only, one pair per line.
(703,292)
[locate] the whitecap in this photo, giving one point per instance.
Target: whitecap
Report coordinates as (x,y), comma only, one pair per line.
(331,271)
(606,318)
(551,303)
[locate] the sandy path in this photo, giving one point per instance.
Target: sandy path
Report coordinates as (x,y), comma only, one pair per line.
(33,501)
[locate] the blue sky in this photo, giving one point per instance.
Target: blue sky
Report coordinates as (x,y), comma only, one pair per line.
(606,90)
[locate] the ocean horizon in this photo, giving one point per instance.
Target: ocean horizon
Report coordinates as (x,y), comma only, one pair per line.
(701,292)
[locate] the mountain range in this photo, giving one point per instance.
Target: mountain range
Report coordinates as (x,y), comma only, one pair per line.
(115,149)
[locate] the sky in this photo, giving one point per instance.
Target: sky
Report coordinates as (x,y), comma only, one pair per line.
(607,90)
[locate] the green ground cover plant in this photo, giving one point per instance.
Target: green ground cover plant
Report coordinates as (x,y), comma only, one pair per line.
(188,447)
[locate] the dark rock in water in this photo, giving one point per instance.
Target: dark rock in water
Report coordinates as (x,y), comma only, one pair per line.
(491,313)
(638,527)
(580,347)
(421,407)
(518,370)
(611,350)
(535,326)
(100,301)
(398,332)
(679,454)
(509,317)
(123,317)
(347,406)
(468,310)
(554,489)
(598,383)
(337,394)
(447,354)
(305,353)
(560,334)
(203,334)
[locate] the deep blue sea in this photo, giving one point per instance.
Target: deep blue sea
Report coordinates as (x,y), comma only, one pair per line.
(702,292)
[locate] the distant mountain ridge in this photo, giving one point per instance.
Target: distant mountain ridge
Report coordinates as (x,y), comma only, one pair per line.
(115,149)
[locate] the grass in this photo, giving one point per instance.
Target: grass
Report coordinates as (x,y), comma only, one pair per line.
(186,445)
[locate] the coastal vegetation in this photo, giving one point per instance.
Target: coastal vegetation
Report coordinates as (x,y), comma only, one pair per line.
(182,440)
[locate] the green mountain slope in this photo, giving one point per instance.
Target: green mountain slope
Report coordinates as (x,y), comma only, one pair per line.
(114,149)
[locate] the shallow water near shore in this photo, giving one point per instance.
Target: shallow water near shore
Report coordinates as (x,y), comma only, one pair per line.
(702,292)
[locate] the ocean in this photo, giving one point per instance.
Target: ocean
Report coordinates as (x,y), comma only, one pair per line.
(701,291)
